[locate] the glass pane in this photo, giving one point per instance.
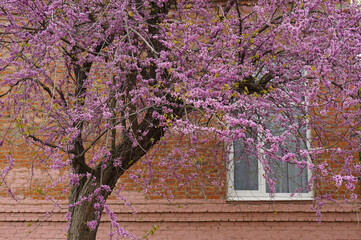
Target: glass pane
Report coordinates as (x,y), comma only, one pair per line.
(289,178)
(245,167)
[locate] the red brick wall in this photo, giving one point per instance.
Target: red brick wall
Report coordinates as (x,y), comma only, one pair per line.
(191,219)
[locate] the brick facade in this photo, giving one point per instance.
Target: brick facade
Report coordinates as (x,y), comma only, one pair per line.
(188,217)
(191,219)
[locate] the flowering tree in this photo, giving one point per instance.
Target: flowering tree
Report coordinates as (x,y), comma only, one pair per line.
(95,84)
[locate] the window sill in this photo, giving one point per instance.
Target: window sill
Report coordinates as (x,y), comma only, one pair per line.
(257,196)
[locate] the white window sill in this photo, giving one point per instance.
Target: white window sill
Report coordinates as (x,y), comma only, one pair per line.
(258,196)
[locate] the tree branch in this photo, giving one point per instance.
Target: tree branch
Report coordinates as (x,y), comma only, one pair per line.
(44,143)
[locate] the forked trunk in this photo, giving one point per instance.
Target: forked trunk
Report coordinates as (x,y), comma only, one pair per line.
(105,178)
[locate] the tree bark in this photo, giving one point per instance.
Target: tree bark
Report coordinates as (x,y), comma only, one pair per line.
(83,213)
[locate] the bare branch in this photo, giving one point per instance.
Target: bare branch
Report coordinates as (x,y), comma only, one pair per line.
(44,143)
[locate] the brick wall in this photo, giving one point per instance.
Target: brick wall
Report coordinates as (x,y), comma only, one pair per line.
(190,219)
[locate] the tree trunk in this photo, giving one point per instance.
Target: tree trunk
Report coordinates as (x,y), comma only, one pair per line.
(83,213)
(108,176)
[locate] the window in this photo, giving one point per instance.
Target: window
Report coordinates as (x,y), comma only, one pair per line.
(248,165)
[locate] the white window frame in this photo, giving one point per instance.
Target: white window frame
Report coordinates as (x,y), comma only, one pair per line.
(261,194)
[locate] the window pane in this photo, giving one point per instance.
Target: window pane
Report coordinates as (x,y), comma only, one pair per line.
(245,168)
(289,178)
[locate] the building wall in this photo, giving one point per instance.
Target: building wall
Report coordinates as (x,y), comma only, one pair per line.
(190,219)
(189,216)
